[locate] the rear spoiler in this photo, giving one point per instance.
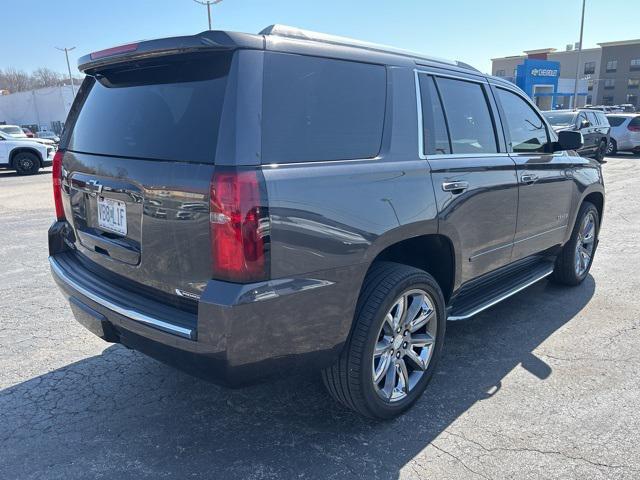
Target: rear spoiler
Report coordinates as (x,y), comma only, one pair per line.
(209,40)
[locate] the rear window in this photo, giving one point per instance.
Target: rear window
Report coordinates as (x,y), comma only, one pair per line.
(318,109)
(165,109)
(615,121)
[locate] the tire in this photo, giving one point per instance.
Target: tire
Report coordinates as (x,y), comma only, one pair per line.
(26,163)
(601,151)
(351,379)
(612,148)
(568,268)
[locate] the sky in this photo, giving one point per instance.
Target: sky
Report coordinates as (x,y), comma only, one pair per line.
(467,30)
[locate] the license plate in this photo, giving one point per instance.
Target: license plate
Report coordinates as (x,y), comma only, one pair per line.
(112,215)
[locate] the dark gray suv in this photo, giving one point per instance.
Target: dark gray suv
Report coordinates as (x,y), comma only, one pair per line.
(243,206)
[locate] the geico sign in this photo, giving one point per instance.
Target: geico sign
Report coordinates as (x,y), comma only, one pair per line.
(544,72)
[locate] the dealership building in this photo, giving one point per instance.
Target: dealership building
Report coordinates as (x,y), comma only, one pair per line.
(607,75)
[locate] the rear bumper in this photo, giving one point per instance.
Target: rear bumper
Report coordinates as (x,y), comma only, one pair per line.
(240,334)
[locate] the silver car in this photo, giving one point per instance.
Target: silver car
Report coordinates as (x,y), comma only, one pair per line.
(625,133)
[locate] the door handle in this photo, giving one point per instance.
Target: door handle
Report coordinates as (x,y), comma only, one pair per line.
(455,187)
(528,178)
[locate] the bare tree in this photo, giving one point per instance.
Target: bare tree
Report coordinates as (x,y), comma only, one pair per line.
(15,80)
(45,77)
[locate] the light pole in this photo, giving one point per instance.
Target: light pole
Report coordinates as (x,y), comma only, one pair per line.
(66,54)
(575,85)
(208,4)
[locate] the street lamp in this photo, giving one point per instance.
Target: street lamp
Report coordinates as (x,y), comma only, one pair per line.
(66,54)
(208,4)
(575,85)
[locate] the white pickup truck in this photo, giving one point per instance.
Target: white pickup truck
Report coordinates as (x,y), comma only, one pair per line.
(25,156)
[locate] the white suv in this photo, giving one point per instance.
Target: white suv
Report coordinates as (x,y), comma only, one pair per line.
(625,133)
(24,155)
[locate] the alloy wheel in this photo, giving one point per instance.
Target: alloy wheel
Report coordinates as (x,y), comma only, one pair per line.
(585,244)
(405,345)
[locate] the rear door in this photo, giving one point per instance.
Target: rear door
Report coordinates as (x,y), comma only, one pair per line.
(545,178)
(474,178)
(138,165)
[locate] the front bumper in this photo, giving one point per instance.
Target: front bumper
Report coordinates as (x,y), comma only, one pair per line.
(240,333)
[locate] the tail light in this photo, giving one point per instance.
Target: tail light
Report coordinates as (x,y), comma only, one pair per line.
(239,224)
(57,184)
(633,128)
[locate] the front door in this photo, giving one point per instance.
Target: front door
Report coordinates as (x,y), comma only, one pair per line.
(473,177)
(545,178)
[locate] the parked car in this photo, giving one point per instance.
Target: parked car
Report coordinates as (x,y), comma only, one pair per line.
(344,200)
(27,132)
(18,133)
(625,133)
(592,124)
(13,130)
(46,134)
(26,157)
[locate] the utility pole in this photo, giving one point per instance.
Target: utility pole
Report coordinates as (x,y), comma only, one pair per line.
(208,4)
(66,54)
(575,85)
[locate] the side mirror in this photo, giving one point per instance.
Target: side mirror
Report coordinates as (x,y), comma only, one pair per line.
(585,124)
(569,140)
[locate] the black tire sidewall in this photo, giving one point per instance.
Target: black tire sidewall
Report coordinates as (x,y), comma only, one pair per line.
(378,407)
(35,167)
(614,146)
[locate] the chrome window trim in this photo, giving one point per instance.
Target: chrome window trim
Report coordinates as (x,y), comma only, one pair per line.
(421,153)
(124,311)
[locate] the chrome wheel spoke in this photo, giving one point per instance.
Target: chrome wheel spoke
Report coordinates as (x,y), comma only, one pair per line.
(422,340)
(425,317)
(413,310)
(415,360)
(383,367)
(399,313)
(403,380)
(383,346)
(390,381)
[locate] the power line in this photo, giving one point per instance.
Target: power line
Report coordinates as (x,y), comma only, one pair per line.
(208,4)
(66,54)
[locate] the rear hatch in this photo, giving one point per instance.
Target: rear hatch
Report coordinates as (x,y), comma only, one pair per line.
(138,164)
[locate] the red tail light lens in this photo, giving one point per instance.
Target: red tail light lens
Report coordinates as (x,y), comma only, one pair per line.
(634,128)
(239,222)
(129,47)
(57,184)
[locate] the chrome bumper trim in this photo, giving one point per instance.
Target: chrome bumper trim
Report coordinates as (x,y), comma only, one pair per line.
(124,311)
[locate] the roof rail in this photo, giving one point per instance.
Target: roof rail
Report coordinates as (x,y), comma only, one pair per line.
(301,34)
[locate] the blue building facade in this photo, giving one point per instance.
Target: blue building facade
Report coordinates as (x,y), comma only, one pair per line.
(540,79)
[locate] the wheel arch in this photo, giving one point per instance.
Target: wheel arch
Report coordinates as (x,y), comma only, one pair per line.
(433,253)
(19,150)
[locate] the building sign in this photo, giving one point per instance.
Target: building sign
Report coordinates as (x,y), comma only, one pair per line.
(544,72)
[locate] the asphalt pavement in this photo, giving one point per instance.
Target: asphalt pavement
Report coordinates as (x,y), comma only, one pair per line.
(544,385)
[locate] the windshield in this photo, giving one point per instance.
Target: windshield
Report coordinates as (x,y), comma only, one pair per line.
(560,119)
(13,131)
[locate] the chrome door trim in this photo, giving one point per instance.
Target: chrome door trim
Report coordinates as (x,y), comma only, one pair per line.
(540,234)
(124,311)
(504,296)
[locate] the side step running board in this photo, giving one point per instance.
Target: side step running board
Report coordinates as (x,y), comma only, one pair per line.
(476,299)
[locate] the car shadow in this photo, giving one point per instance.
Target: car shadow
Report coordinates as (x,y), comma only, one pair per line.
(6,174)
(123,415)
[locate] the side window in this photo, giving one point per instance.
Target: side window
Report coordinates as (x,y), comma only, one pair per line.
(434,125)
(467,112)
(592,118)
(526,129)
(317,109)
